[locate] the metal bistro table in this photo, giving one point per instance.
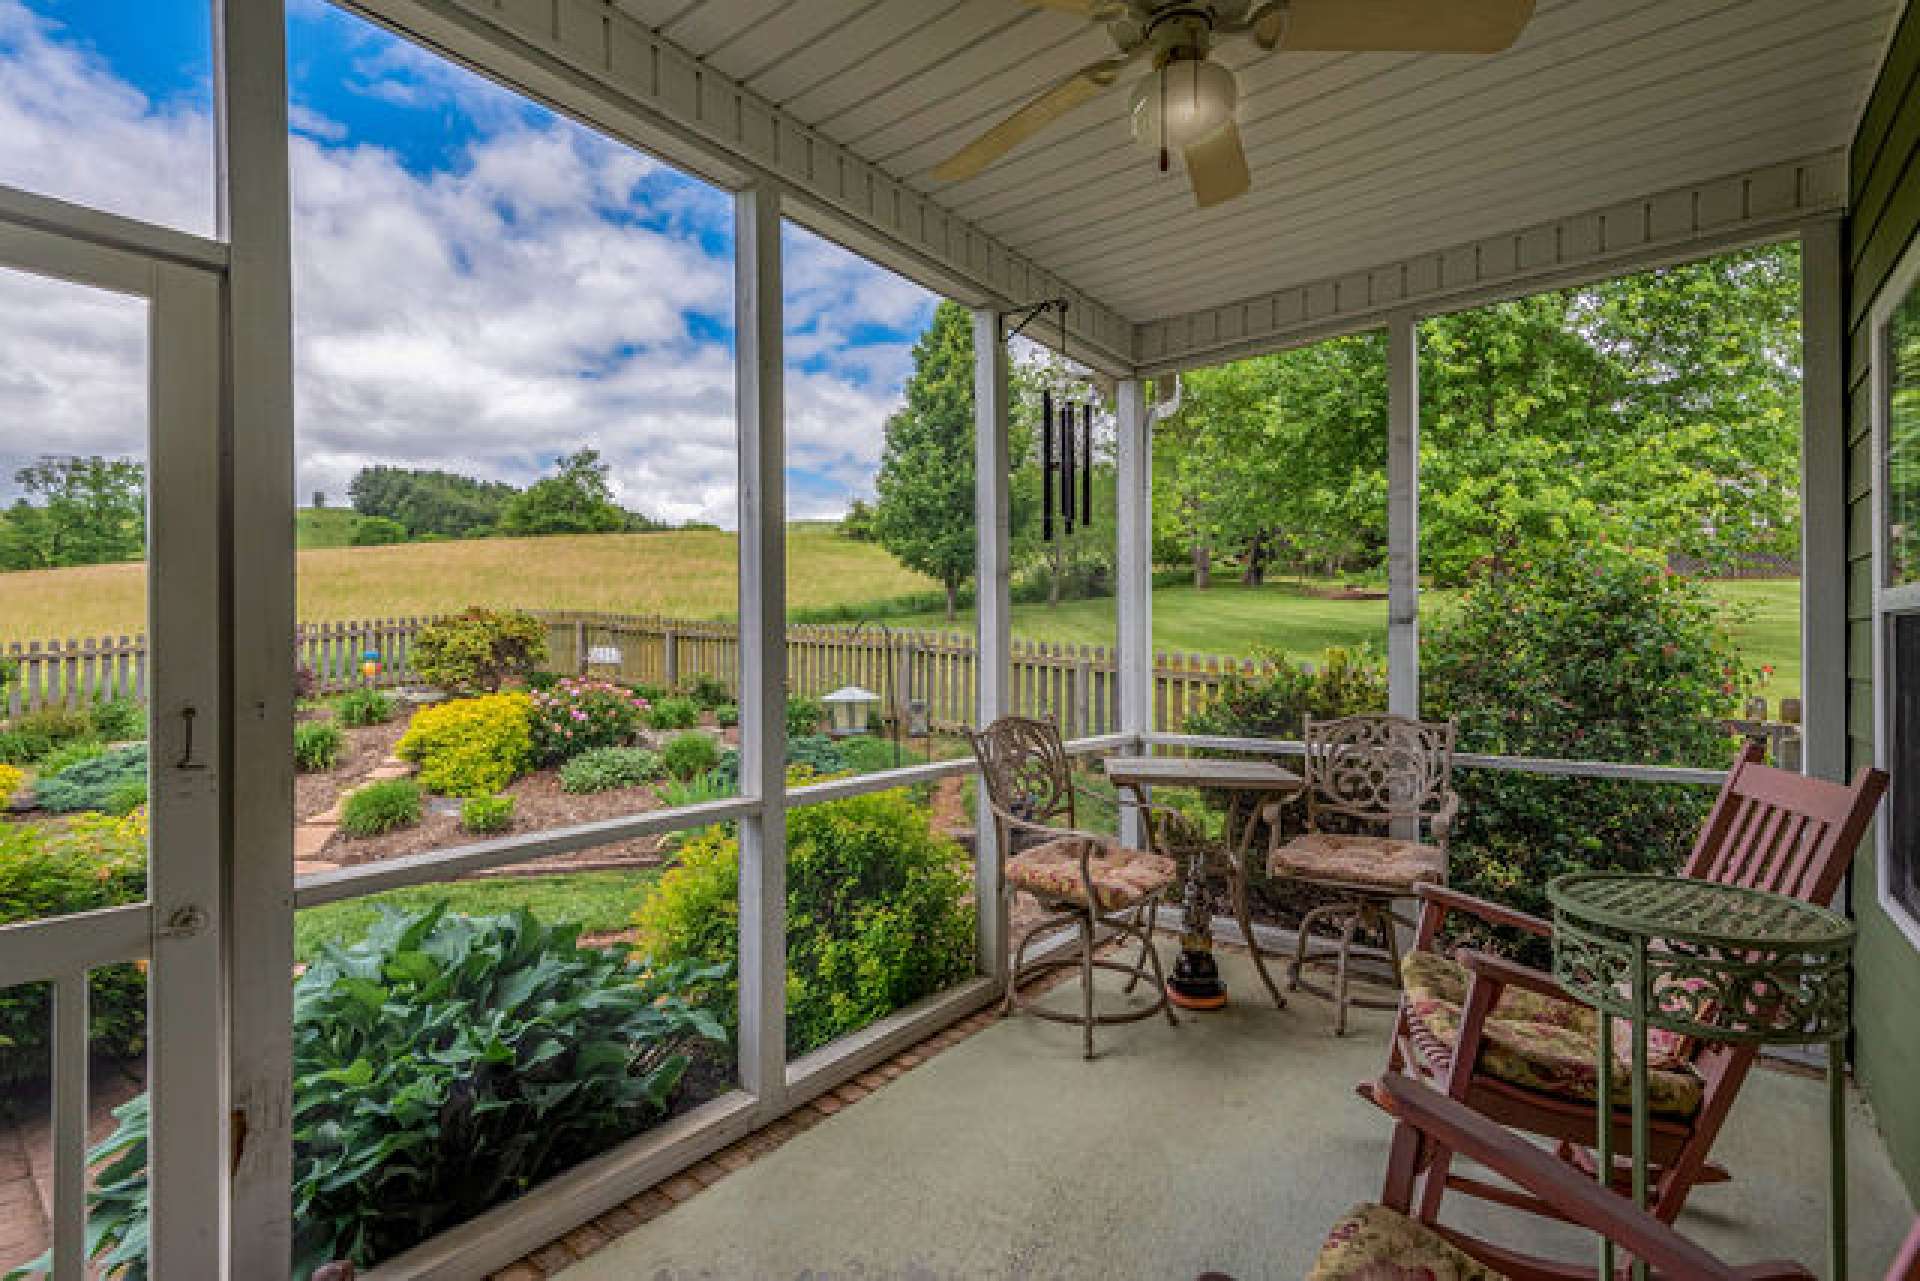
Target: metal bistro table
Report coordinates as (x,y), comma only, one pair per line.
(1714,962)
(1195,983)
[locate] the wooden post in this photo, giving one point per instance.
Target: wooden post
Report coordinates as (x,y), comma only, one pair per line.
(1823,503)
(760,373)
(251,104)
(1133,573)
(670,658)
(993,533)
(1403,514)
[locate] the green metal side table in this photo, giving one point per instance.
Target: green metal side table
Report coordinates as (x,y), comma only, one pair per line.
(1713,962)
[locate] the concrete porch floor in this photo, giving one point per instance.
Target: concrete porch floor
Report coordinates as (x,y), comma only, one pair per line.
(1229,1143)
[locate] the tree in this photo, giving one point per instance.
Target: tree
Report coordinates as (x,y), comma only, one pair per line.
(76,511)
(1278,458)
(923,508)
(424,501)
(576,499)
(857,524)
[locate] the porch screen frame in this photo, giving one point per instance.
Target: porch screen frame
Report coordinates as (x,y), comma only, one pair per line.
(1889,601)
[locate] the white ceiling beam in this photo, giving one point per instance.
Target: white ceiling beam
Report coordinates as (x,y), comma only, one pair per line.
(1671,226)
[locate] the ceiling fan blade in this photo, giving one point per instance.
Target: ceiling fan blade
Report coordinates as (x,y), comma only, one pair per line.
(1085,84)
(1099,10)
(1217,167)
(1411,26)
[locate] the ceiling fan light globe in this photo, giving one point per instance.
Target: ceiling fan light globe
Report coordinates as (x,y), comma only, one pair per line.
(1197,97)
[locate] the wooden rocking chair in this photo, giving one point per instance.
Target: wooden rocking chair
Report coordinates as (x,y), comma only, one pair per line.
(1510,1043)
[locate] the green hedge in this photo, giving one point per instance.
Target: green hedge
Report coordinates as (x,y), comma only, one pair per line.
(57,869)
(877,916)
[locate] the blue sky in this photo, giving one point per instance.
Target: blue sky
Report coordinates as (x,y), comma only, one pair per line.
(479,283)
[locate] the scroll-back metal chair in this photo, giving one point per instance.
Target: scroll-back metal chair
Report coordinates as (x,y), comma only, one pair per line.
(1509,1042)
(1081,878)
(1372,783)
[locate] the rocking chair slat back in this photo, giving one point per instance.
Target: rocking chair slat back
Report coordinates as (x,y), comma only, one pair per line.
(1774,830)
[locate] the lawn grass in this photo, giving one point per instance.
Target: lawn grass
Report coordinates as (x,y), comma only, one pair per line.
(691,574)
(680,573)
(600,902)
(1228,618)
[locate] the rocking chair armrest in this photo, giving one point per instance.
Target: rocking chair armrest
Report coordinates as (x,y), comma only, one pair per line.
(1504,973)
(1441,900)
(1458,1128)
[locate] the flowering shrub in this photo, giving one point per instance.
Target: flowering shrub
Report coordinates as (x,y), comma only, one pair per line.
(578,715)
(471,746)
(11,776)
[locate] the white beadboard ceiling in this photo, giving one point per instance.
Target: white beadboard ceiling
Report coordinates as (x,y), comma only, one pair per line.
(1357,159)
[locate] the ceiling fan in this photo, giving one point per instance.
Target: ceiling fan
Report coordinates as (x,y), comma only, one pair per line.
(1185,103)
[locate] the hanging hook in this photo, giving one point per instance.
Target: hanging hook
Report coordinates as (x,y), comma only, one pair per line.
(186,760)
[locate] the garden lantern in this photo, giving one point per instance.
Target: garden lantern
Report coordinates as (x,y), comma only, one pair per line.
(370,663)
(849,709)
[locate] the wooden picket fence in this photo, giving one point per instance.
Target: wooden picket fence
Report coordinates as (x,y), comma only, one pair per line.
(936,673)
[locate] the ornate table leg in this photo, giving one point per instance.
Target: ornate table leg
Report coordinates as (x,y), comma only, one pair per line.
(1837,1161)
(1603,1137)
(1640,1120)
(1195,982)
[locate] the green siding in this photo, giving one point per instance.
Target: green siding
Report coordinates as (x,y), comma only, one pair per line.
(1885,218)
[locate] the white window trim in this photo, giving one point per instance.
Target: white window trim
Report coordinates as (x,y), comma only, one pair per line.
(1887,601)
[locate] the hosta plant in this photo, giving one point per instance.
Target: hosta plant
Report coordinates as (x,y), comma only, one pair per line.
(443,1065)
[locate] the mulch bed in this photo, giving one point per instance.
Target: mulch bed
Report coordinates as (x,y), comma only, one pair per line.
(366,747)
(538,805)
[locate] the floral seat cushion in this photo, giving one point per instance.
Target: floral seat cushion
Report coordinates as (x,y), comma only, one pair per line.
(1376,862)
(1373,1243)
(1539,1043)
(1121,877)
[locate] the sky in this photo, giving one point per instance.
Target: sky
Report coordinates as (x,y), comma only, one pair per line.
(479,283)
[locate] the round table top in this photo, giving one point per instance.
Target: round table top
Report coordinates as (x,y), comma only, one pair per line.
(1676,908)
(1185,771)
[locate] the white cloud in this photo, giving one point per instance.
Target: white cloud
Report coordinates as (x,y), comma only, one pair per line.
(485,319)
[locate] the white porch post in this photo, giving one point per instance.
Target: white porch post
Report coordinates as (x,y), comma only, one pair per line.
(251,107)
(1134,572)
(760,371)
(994,607)
(1823,504)
(1403,514)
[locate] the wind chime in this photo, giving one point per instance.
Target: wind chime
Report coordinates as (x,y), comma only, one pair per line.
(1066,465)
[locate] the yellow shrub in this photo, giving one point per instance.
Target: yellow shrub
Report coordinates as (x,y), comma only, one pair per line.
(11,776)
(471,746)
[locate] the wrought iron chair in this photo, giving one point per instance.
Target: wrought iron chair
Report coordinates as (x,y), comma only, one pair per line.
(1507,1041)
(1082,878)
(1385,776)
